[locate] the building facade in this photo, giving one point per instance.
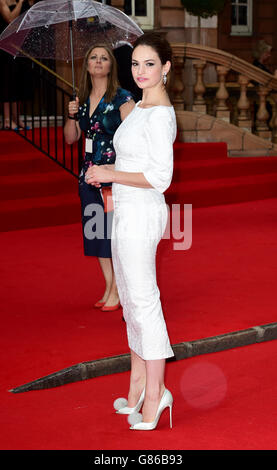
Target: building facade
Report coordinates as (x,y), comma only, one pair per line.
(236,29)
(243,22)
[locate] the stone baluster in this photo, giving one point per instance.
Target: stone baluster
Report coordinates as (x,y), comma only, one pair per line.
(177,84)
(262,128)
(274,119)
(243,104)
(199,104)
(222,110)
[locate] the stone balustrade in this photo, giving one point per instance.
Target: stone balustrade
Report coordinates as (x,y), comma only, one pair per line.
(252,85)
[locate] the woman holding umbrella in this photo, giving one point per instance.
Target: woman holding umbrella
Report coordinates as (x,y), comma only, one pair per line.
(98,111)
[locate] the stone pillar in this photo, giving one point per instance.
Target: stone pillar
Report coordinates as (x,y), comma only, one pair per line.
(243,104)
(222,110)
(262,117)
(208,37)
(199,104)
(177,82)
(274,119)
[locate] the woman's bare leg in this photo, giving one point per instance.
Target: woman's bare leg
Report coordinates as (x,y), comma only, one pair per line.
(110,296)
(137,379)
(16,114)
(151,375)
(11,113)
(155,387)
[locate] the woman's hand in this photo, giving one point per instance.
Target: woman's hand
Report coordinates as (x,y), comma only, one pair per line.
(73,107)
(97,174)
(72,131)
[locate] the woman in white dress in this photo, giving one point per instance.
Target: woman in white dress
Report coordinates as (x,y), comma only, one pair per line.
(142,172)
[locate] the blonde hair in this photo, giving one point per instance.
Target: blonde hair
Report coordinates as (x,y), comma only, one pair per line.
(260,48)
(85,82)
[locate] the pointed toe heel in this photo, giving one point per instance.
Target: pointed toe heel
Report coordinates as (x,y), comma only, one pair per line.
(166,401)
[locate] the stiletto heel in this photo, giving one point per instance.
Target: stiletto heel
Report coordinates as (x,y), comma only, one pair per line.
(121,405)
(166,401)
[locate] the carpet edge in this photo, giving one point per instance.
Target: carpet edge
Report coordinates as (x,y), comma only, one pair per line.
(121,363)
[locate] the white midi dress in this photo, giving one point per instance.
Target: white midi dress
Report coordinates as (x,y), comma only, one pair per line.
(143,143)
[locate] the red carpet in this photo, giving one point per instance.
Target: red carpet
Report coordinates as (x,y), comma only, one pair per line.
(204,176)
(222,401)
(35,191)
(225,282)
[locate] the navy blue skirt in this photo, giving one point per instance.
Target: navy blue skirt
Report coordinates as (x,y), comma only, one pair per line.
(97,224)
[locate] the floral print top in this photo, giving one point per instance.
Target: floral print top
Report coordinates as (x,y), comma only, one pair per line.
(100,127)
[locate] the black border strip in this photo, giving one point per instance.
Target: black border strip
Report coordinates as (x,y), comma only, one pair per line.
(121,363)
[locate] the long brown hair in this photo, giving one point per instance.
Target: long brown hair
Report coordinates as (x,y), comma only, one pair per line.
(85,82)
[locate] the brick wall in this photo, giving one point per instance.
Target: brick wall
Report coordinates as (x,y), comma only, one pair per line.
(264,27)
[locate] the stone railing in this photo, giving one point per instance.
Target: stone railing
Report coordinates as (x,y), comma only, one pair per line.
(250,83)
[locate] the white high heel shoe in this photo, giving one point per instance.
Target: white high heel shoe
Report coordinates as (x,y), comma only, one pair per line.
(120,404)
(166,401)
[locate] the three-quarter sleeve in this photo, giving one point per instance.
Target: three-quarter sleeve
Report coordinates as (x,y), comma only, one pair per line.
(160,130)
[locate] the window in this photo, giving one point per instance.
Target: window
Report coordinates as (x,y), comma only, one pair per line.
(143,10)
(241,19)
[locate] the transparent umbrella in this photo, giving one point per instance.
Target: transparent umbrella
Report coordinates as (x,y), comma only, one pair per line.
(65,29)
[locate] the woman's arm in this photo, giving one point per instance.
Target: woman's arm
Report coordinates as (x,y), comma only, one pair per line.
(72,131)
(8,15)
(126,108)
(104,174)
